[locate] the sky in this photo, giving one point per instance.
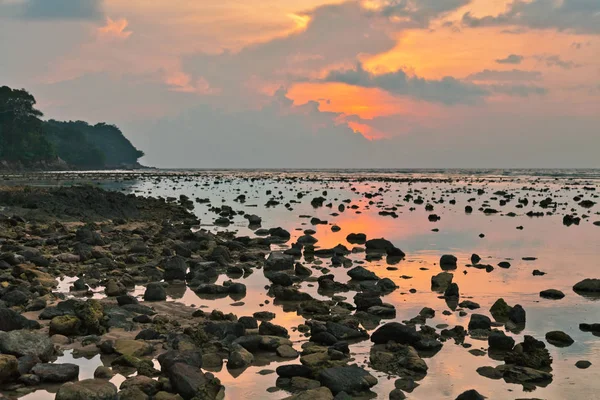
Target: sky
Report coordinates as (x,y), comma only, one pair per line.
(319,83)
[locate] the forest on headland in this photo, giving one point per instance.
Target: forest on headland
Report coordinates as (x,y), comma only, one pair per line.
(29,142)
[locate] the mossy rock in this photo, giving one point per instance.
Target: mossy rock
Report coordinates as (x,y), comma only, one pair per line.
(67,325)
(91,314)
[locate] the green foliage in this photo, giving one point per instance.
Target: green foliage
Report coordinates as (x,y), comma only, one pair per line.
(26,139)
(21,131)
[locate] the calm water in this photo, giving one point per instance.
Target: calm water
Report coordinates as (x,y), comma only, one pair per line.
(566,254)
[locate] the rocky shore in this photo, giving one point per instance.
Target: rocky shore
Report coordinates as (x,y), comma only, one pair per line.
(110,244)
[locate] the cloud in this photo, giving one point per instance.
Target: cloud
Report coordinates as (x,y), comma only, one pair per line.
(115,29)
(578,16)
(555,61)
(63,9)
(512,75)
(511,59)
(418,13)
(448,90)
(518,90)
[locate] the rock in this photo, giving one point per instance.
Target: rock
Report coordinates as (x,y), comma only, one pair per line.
(278,261)
(26,343)
(134,348)
(279,278)
(239,357)
(470,395)
(498,340)
(448,262)
(9,368)
(56,373)
(362,274)
(559,339)
(189,381)
(89,389)
(504,264)
(155,292)
(286,351)
(589,287)
(175,268)
(114,288)
(383,246)
(552,294)
(524,375)
(103,372)
(351,379)
(191,357)
(441,281)
(397,394)
(301,270)
(479,321)
(11,320)
(67,325)
(530,353)
(356,238)
(398,359)
(269,329)
(517,315)
(397,332)
(490,372)
(500,310)
(321,393)
(145,384)
(475,259)
(583,364)
(290,371)
(452,291)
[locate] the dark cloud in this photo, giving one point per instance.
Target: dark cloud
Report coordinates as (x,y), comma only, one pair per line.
(579,16)
(63,9)
(518,90)
(448,90)
(555,61)
(511,59)
(512,75)
(420,12)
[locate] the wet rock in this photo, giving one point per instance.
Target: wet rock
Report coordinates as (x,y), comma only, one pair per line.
(559,339)
(321,393)
(479,321)
(397,332)
(144,384)
(114,288)
(26,343)
(398,359)
(103,372)
(553,294)
(155,292)
(9,368)
(588,287)
(175,268)
(366,300)
(517,315)
(383,246)
(89,389)
(286,351)
(290,371)
(269,329)
(452,291)
(56,373)
(11,320)
(278,261)
(279,278)
(475,259)
(356,238)
(498,340)
(448,262)
(351,379)
(583,364)
(441,281)
(67,325)
(470,395)
(239,357)
(530,353)
(135,348)
(189,382)
(362,274)
(500,310)
(193,358)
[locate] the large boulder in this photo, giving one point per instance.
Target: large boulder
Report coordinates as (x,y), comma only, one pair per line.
(26,343)
(155,292)
(479,321)
(395,332)
(56,373)
(278,261)
(189,381)
(588,287)
(351,379)
(89,389)
(67,325)
(448,262)
(383,246)
(134,348)
(9,368)
(362,274)
(175,268)
(11,320)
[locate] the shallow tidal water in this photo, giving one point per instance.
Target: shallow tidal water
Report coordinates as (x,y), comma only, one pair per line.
(567,254)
